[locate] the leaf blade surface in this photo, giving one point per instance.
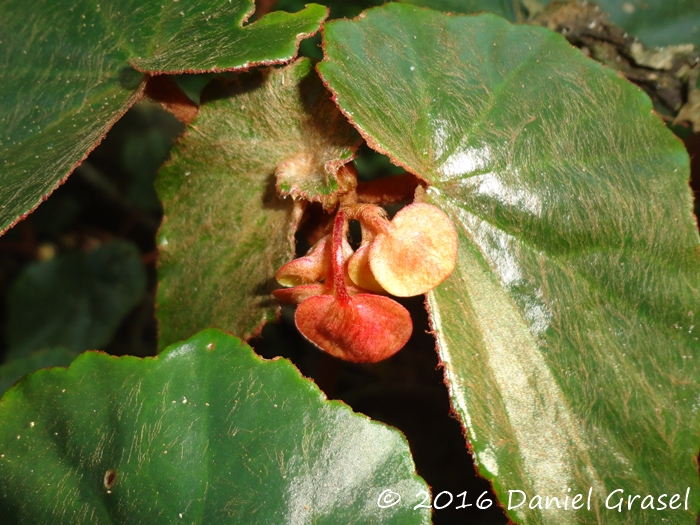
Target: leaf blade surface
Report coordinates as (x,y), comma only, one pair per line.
(226,231)
(206,432)
(69,74)
(567,326)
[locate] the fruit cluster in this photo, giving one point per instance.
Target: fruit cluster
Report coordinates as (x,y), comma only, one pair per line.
(343,307)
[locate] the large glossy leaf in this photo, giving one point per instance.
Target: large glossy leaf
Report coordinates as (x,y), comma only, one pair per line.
(568,329)
(207,432)
(68,73)
(76,300)
(225,231)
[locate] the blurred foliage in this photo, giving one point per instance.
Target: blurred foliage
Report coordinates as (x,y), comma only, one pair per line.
(110,196)
(657,22)
(11,371)
(75,300)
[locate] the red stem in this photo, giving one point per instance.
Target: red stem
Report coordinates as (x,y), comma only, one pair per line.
(338,262)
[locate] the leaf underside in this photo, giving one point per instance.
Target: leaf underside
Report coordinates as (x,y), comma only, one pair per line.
(207,432)
(568,328)
(68,73)
(226,231)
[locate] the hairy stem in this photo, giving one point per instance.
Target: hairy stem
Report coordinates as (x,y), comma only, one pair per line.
(338,260)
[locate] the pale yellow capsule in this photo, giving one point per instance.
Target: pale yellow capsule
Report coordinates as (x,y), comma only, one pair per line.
(418,251)
(360,272)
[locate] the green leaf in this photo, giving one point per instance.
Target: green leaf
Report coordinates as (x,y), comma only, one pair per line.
(12,371)
(568,329)
(68,73)
(207,432)
(76,300)
(337,8)
(192,85)
(504,8)
(657,22)
(147,140)
(226,232)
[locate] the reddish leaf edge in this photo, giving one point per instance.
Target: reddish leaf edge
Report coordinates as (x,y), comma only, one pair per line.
(139,94)
(379,149)
(297,215)
(492,480)
(334,96)
(135,97)
(496,488)
(169,352)
(165,354)
(248,65)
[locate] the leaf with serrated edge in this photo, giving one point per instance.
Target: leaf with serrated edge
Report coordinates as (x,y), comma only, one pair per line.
(207,432)
(567,329)
(225,231)
(68,73)
(14,369)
